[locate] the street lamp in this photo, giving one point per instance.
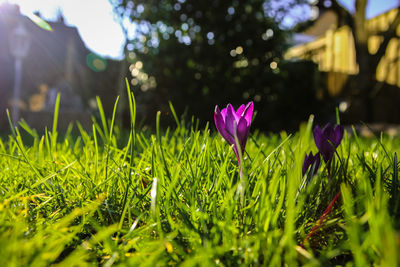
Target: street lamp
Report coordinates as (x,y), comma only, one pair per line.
(19,43)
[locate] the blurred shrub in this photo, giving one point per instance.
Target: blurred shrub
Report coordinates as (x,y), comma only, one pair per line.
(198,54)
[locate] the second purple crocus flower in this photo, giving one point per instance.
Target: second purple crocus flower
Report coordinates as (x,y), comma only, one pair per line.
(328,139)
(231,124)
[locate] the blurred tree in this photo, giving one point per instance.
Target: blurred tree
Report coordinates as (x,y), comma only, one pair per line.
(201,53)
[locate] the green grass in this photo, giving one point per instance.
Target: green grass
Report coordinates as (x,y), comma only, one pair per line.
(170,197)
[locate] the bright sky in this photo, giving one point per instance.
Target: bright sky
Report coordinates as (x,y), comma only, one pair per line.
(374,8)
(102,34)
(93,18)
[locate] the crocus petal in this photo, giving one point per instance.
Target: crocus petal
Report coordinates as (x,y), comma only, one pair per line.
(230,123)
(223,113)
(321,141)
(220,124)
(328,125)
(328,129)
(329,133)
(318,137)
(216,110)
(219,121)
(242,132)
(248,113)
(339,131)
(327,151)
(306,162)
(313,161)
(240,111)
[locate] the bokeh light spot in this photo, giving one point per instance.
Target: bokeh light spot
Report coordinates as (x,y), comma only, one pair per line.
(231,10)
(96,63)
(139,65)
(135,72)
(134,81)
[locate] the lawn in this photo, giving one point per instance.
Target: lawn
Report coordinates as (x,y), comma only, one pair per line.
(177,196)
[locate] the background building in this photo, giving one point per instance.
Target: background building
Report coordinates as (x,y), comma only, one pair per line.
(57,62)
(330,44)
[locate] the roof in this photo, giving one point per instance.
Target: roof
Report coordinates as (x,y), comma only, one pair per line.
(327,20)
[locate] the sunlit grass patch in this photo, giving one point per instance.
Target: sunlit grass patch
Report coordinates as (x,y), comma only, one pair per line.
(170,197)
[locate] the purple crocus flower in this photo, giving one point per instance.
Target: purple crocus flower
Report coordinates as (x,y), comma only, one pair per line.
(327,140)
(231,124)
(311,160)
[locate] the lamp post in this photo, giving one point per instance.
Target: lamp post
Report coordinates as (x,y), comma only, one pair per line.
(19,43)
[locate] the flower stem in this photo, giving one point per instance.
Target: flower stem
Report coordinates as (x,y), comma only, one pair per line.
(321,219)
